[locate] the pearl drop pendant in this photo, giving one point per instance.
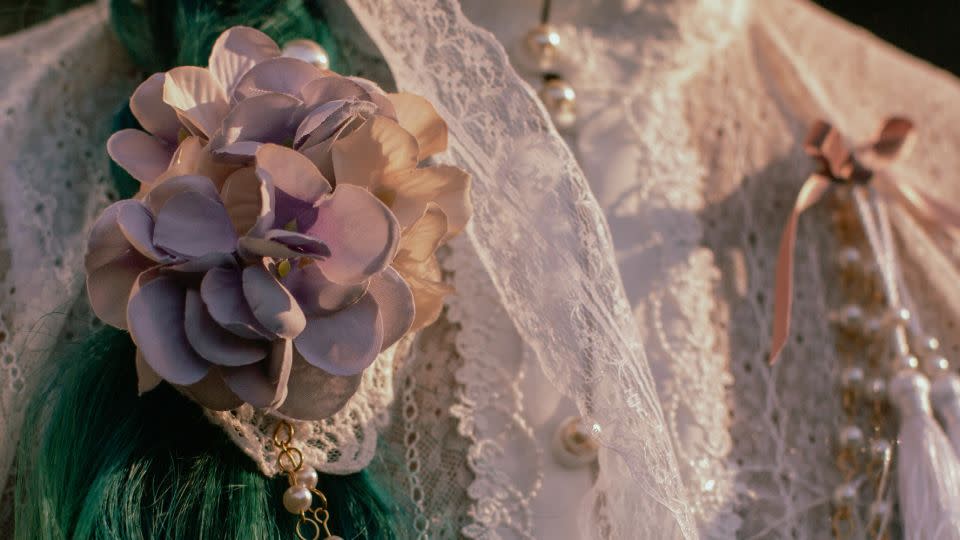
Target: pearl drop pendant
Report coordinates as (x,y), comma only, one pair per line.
(560,99)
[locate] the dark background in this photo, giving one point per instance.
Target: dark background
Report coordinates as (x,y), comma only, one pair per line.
(929,29)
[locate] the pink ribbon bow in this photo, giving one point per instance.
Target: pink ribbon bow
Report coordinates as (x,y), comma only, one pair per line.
(840,165)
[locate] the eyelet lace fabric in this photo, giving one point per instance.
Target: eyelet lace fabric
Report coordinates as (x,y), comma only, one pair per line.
(59,81)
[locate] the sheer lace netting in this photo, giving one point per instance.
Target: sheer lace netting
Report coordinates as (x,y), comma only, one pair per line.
(748,112)
(58,80)
(542,238)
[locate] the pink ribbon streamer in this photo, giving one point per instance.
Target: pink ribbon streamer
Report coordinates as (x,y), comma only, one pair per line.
(839,165)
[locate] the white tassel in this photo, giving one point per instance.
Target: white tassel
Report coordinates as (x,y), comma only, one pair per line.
(945,395)
(928,471)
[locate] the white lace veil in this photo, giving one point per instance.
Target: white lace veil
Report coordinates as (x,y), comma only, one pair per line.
(544,241)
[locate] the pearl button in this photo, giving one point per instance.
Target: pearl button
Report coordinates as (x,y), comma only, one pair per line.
(845,494)
(297,499)
(560,99)
(573,445)
(852,377)
(309,51)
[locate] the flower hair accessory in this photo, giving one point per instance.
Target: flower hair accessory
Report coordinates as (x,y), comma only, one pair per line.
(284,234)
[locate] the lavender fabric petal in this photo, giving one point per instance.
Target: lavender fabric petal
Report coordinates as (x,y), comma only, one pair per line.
(154,115)
(222,292)
(264,384)
(303,244)
(360,231)
(212,392)
(236,51)
(253,248)
(321,123)
(272,304)
(346,342)
(377,96)
(193,225)
(197,98)
(264,118)
(330,88)
(136,223)
(203,263)
(313,394)
(292,173)
(147,378)
(213,342)
(109,286)
(163,192)
(143,156)
(106,242)
(316,294)
(155,315)
(282,75)
(395,299)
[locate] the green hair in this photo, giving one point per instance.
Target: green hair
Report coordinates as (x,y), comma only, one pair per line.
(97,461)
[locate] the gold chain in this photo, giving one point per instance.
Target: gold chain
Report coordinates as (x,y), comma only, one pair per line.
(313,521)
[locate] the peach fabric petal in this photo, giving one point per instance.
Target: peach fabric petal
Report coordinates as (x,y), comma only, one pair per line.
(377,149)
(200,102)
(418,116)
(154,115)
(424,236)
(428,297)
(236,51)
(448,187)
(143,156)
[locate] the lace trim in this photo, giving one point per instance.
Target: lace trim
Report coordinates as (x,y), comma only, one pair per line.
(489,406)
(342,444)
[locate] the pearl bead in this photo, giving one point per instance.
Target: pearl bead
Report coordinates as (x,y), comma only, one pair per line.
(845,494)
(875,388)
(880,450)
(306,477)
(560,100)
(542,45)
(850,316)
(935,365)
(905,361)
(851,378)
(902,315)
(309,51)
(879,511)
(297,499)
(849,257)
(573,445)
(850,437)
(874,326)
(930,343)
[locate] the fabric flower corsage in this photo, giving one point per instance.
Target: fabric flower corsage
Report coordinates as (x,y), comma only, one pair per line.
(284,234)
